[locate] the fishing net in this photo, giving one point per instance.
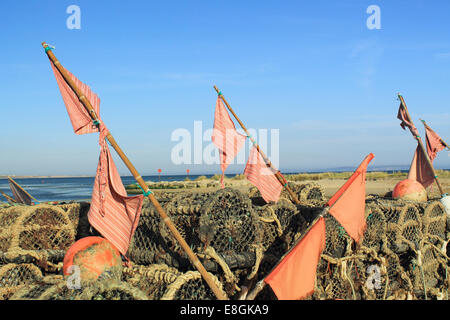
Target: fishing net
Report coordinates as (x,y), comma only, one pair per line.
(191,286)
(27,229)
(14,276)
(112,290)
(153,280)
(375,234)
(147,245)
(435,221)
(228,223)
(309,193)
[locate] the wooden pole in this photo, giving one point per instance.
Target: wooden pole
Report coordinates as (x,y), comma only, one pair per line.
(442,141)
(260,285)
(11,200)
(278,174)
(419,141)
(18,186)
(192,256)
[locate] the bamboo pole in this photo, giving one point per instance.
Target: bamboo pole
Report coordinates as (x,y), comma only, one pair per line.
(18,186)
(192,256)
(261,284)
(11,200)
(442,141)
(278,174)
(402,101)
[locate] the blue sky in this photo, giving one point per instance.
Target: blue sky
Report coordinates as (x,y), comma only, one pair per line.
(311,69)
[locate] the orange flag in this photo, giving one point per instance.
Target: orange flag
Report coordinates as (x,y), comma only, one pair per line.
(434,143)
(262,177)
(225,137)
(80,118)
(348,204)
(420,170)
(294,277)
(112,212)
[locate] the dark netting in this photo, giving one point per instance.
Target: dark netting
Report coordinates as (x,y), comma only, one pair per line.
(228,223)
(190,286)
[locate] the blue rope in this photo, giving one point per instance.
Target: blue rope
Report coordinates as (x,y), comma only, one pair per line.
(145,193)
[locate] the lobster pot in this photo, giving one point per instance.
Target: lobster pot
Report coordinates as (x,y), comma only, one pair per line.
(191,286)
(309,193)
(375,234)
(152,280)
(427,271)
(228,223)
(14,276)
(53,287)
(31,228)
(147,245)
(435,222)
(112,290)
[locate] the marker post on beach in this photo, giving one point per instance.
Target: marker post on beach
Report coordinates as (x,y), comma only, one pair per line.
(278,174)
(192,256)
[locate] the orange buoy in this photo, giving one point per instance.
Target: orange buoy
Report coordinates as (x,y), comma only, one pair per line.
(95,257)
(409,190)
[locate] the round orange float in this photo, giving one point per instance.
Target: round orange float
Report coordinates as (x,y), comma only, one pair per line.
(409,190)
(95,257)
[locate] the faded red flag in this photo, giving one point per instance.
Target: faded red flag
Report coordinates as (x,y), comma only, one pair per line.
(112,212)
(434,143)
(349,202)
(262,177)
(79,117)
(405,122)
(225,137)
(420,170)
(294,277)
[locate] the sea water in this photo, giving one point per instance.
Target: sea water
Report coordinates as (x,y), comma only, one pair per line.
(74,188)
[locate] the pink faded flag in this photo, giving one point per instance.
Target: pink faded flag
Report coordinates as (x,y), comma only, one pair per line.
(79,117)
(434,143)
(403,116)
(225,137)
(420,170)
(262,177)
(349,202)
(112,212)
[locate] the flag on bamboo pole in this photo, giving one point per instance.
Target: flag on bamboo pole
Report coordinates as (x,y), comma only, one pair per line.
(434,143)
(294,277)
(225,137)
(112,212)
(79,117)
(420,170)
(349,202)
(262,176)
(405,123)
